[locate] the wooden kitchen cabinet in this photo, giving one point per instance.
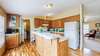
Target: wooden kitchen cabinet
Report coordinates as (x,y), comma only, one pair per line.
(40,22)
(51,47)
(45,21)
(12,40)
(63,48)
(40,45)
(60,24)
(51,23)
(12,31)
(9,18)
(57,24)
(17,22)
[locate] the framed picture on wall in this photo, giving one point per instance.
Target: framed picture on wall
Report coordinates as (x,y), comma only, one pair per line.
(98,25)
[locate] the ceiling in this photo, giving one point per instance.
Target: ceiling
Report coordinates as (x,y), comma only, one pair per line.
(92,10)
(37,7)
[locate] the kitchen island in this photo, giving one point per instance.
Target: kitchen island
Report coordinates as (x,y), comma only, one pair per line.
(49,44)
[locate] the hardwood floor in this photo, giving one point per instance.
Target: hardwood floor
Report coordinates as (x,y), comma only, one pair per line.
(86,52)
(29,49)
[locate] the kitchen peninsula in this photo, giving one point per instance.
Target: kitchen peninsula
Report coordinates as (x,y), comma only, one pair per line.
(49,44)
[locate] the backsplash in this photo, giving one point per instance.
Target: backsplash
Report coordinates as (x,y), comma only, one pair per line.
(56,30)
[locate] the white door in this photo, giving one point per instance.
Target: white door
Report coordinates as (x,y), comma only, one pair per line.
(2,32)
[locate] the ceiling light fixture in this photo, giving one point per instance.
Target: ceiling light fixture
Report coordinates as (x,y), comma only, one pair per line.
(49,6)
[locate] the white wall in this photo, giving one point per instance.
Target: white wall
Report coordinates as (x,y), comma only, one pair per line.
(2,32)
(3,14)
(67,13)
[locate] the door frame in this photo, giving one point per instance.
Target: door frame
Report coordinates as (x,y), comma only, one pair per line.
(81,27)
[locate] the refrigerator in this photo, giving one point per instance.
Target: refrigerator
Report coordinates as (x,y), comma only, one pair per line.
(71,32)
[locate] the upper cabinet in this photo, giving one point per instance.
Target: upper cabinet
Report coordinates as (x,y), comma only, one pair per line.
(57,24)
(40,22)
(51,23)
(12,22)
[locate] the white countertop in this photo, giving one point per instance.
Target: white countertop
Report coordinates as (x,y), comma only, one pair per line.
(11,34)
(48,35)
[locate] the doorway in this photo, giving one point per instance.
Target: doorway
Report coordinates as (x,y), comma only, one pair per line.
(92,35)
(27,30)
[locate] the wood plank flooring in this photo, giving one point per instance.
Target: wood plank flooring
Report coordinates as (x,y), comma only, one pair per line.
(29,49)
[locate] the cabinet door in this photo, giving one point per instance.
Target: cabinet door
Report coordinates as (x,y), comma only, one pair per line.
(38,23)
(17,22)
(62,24)
(53,24)
(58,24)
(50,24)
(45,22)
(40,45)
(13,21)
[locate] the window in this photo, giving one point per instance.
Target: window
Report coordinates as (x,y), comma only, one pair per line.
(86,28)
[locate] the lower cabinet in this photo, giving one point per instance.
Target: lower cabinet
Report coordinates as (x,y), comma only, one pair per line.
(51,47)
(12,40)
(2,50)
